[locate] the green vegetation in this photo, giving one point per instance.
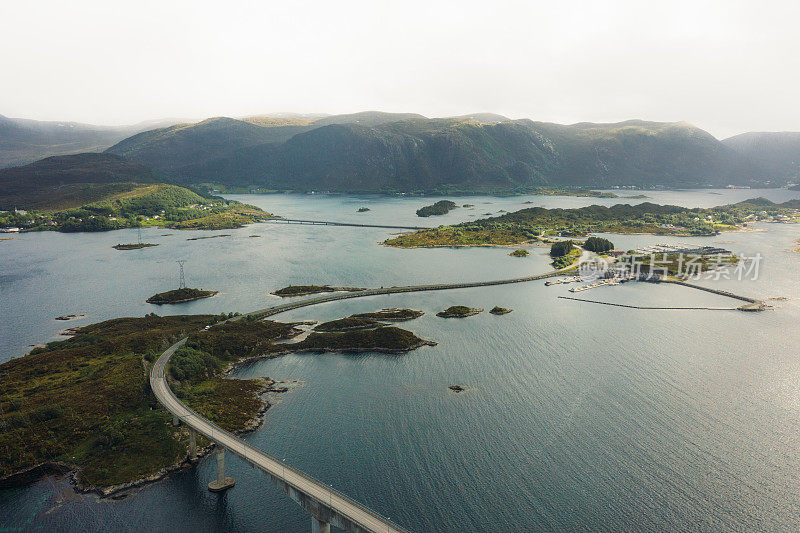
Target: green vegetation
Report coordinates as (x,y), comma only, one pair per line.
(387,339)
(391,315)
(86,402)
(561,248)
(442,207)
(500,310)
(349,323)
(303,290)
(230,403)
(133,246)
(458,155)
(65,182)
(463,235)
(563,261)
(598,245)
(522,252)
(646,218)
(459,311)
(150,205)
(179,296)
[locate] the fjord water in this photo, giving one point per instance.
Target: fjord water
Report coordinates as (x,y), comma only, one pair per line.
(576,416)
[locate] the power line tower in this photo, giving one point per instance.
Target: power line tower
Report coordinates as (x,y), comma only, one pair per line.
(182,282)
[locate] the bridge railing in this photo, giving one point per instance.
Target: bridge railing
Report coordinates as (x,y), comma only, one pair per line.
(186,419)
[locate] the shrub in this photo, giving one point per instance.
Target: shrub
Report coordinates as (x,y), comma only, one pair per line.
(561,248)
(598,245)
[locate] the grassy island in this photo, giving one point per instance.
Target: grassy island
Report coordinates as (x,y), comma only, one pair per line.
(349,323)
(442,207)
(459,311)
(387,339)
(529,224)
(500,310)
(522,252)
(133,246)
(304,290)
(178,296)
(84,404)
(392,314)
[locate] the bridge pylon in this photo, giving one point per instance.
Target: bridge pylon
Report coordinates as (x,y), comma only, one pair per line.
(223,482)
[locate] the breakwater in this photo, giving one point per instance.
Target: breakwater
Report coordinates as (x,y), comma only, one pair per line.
(649,307)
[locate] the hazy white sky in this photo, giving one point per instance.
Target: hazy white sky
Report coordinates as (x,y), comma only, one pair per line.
(726,66)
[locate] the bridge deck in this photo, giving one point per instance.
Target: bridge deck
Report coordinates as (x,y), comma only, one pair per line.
(337,502)
(330,223)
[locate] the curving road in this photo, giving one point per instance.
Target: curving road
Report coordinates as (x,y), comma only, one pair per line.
(338,508)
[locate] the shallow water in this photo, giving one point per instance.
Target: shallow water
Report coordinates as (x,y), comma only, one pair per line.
(577,416)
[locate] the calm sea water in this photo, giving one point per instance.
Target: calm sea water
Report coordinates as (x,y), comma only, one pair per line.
(577,416)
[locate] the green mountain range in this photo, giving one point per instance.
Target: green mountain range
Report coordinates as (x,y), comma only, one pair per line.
(463,154)
(483,152)
(778,152)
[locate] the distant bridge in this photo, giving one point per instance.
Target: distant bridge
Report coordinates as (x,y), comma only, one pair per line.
(329,223)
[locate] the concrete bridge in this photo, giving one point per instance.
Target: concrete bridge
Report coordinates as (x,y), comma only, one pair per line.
(325,505)
(329,223)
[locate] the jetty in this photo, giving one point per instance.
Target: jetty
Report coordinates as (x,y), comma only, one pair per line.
(649,307)
(752,304)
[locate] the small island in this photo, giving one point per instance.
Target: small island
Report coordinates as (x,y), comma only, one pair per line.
(536,223)
(392,314)
(496,310)
(133,246)
(372,320)
(70,317)
(348,324)
(442,207)
(304,290)
(457,388)
(385,339)
(522,252)
(362,209)
(459,311)
(179,296)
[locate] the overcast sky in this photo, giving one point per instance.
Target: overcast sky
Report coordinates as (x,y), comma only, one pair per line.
(726,66)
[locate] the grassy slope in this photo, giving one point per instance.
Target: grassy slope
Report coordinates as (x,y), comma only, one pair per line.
(452,155)
(68,181)
(157,204)
(86,401)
